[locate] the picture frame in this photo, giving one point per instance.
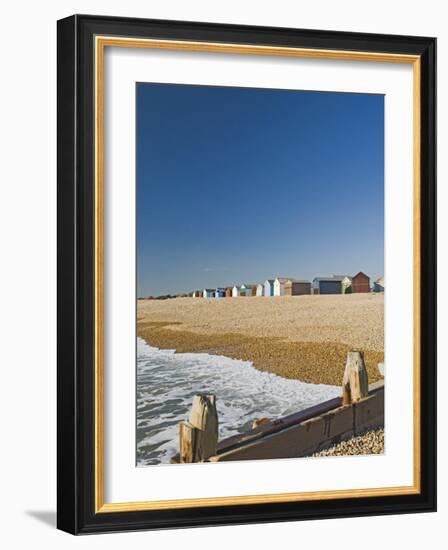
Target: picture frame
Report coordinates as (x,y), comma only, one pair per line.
(82,42)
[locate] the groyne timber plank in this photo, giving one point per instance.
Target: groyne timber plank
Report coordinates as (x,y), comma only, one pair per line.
(369,413)
(313,434)
(367,420)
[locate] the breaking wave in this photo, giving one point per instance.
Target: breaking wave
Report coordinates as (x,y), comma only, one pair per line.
(167,381)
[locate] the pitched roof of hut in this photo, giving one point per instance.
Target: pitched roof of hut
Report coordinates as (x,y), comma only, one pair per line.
(342,276)
(283,279)
(336,278)
(360,273)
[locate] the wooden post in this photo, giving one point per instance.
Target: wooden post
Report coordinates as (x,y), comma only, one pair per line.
(188,437)
(355,384)
(199,436)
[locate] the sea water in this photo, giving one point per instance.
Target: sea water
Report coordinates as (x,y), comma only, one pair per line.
(167,382)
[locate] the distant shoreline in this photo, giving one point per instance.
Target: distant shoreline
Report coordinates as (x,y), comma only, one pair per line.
(305,338)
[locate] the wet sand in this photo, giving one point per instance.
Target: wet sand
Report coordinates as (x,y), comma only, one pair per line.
(301,337)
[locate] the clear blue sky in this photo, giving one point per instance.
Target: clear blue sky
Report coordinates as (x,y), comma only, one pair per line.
(236,185)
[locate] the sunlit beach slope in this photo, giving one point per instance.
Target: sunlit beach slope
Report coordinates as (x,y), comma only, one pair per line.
(299,337)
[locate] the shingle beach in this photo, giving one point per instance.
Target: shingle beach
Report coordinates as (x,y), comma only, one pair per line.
(301,337)
(370,443)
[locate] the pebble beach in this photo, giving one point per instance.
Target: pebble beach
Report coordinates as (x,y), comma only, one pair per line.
(298,337)
(371,442)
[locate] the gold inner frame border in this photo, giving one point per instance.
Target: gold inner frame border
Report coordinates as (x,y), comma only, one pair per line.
(100,44)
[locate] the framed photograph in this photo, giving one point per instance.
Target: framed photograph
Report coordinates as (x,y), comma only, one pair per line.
(246,274)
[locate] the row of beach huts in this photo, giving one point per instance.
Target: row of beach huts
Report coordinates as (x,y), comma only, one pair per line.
(287,286)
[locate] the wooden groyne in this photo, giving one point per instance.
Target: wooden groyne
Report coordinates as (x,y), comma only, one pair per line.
(199,436)
(359,409)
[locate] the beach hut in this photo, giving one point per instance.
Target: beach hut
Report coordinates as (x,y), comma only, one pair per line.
(279,285)
(197,294)
(246,290)
(269,287)
(378,285)
(360,283)
(220,292)
(346,285)
(229,292)
(260,289)
(327,285)
(208,293)
(296,287)
(235,291)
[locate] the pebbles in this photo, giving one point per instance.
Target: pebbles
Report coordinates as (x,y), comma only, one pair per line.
(301,337)
(367,444)
(353,319)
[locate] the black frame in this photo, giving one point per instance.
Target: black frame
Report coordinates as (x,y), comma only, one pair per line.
(75,403)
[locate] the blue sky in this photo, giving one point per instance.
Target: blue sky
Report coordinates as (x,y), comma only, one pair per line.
(236,185)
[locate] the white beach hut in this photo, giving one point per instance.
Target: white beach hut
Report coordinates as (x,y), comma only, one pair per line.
(260,289)
(279,285)
(346,284)
(269,287)
(235,291)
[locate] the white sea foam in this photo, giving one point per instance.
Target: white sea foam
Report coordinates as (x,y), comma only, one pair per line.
(167,381)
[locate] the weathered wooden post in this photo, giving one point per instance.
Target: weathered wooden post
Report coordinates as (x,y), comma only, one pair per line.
(355,384)
(198,438)
(188,436)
